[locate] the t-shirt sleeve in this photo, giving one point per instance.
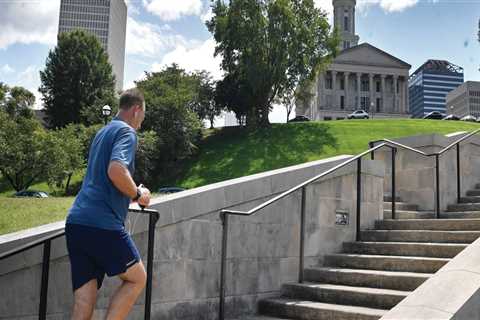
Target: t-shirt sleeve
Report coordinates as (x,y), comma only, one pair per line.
(124,147)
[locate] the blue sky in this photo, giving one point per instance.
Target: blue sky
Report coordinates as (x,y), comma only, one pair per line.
(160,32)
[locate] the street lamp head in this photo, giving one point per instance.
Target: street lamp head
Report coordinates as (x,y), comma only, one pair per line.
(106,110)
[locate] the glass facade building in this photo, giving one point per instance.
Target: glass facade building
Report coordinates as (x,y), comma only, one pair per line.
(107,20)
(429,85)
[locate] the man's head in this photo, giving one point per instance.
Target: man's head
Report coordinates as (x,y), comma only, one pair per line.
(132,107)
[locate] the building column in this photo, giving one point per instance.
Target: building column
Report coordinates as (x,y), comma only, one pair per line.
(395,105)
(384,97)
(334,90)
(346,76)
(407,97)
(359,83)
(372,91)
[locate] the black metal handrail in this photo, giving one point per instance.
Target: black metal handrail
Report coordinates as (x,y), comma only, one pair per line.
(384,143)
(224,214)
(47,241)
(437,163)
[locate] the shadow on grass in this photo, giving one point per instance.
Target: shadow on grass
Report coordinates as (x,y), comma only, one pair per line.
(235,152)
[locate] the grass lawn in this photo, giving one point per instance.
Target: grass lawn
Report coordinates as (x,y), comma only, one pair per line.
(23,213)
(233,152)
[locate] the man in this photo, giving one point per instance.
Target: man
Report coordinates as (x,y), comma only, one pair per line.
(97,241)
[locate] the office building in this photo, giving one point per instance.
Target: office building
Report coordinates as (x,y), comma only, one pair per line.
(464,100)
(430,84)
(106,19)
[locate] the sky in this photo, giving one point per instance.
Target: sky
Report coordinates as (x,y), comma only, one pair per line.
(160,32)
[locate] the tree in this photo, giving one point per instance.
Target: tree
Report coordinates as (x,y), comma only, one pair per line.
(28,151)
(204,104)
(77,80)
(228,95)
(71,149)
(271,47)
(16,101)
(168,95)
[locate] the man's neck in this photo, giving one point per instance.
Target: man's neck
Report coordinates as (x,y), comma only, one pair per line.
(125,118)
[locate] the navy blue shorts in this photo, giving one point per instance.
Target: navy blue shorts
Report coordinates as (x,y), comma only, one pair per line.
(95,252)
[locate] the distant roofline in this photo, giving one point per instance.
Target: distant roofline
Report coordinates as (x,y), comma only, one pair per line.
(446,64)
(366,44)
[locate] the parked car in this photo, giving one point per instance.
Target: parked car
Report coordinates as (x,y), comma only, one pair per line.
(434,115)
(451,117)
(299,119)
(31,194)
(469,118)
(170,190)
(358,114)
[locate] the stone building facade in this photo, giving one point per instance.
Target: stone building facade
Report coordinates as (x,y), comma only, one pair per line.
(361,77)
(464,100)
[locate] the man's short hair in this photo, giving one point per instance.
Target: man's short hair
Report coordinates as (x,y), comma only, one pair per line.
(130,98)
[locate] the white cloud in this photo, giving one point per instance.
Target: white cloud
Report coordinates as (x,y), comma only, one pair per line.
(172,10)
(30,79)
(391,5)
(150,40)
(327,6)
(6,69)
(28,22)
(199,57)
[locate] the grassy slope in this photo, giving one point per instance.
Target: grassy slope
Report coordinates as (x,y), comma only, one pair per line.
(17,214)
(233,152)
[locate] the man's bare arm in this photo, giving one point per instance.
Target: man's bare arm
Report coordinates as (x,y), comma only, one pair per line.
(121,179)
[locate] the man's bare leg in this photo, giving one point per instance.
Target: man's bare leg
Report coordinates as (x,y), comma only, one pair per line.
(85,299)
(134,280)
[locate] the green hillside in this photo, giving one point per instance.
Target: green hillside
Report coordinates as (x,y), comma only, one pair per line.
(233,152)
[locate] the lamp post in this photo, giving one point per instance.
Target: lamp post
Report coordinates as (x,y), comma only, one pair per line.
(106,111)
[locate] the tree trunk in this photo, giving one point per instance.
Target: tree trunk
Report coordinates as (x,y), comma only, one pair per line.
(68,182)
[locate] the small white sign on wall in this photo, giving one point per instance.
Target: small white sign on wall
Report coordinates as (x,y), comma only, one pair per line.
(341,217)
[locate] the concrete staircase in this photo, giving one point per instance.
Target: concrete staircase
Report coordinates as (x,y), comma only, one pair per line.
(371,276)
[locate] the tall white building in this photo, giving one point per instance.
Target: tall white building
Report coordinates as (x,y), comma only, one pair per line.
(360,77)
(107,19)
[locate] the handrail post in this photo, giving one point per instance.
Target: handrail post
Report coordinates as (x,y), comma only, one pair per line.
(394,193)
(459,193)
(370,146)
(42,314)
(437,185)
(359,195)
(223,266)
(152,221)
(302,236)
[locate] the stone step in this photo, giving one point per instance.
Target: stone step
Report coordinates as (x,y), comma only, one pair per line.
(463,207)
(308,310)
(419,236)
(396,280)
(429,224)
(470,199)
(474,192)
(388,198)
(344,295)
(387,263)
(405,214)
(401,206)
(258,318)
(460,215)
(432,250)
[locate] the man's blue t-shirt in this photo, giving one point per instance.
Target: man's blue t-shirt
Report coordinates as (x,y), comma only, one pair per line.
(99,203)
